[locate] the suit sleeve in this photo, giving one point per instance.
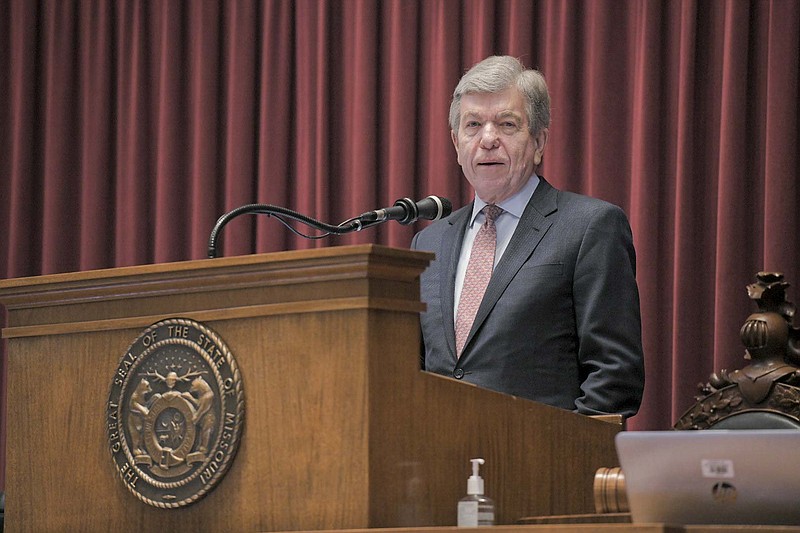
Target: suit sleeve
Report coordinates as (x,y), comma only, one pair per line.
(608,317)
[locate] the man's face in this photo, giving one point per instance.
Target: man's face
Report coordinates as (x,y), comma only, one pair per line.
(496,151)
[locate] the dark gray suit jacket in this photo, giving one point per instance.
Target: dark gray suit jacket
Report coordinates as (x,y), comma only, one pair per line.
(559,322)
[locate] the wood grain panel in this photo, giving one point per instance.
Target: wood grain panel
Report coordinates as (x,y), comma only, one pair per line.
(342,429)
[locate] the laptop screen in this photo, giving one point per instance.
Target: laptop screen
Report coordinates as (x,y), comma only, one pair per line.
(712,477)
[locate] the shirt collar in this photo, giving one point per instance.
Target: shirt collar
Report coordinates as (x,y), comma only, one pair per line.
(514,205)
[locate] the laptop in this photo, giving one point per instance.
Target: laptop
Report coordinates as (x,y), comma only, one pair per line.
(712,476)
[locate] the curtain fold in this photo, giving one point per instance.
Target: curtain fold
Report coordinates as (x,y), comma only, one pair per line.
(128,127)
(276,122)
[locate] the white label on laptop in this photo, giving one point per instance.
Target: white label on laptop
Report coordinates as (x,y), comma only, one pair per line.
(717,468)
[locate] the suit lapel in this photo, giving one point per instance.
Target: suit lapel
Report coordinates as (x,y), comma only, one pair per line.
(452,240)
(532,227)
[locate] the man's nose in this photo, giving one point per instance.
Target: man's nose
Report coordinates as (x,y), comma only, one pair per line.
(489,138)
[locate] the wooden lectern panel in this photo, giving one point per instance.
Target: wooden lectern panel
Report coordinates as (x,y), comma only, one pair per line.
(342,429)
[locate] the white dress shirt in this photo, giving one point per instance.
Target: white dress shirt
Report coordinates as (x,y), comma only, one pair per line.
(506,223)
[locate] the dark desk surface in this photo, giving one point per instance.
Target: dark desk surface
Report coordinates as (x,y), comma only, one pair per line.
(613,522)
(586,528)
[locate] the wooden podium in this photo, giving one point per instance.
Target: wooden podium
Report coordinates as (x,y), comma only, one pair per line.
(342,429)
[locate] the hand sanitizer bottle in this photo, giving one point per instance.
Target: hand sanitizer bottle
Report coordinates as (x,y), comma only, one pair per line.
(475,509)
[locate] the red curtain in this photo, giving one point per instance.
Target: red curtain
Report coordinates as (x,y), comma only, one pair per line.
(128,127)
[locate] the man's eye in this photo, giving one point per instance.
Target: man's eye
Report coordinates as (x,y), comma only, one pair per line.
(473,124)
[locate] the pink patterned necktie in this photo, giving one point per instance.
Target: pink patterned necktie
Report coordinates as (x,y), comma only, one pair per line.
(479,270)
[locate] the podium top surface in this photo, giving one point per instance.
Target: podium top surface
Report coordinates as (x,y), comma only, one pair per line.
(352,253)
(356,276)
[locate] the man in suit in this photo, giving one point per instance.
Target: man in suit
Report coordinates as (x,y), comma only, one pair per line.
(559,320)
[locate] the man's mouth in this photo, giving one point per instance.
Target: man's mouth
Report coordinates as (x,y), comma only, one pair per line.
(488,163)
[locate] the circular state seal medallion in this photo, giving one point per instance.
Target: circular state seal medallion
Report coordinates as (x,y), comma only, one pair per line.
(175,413)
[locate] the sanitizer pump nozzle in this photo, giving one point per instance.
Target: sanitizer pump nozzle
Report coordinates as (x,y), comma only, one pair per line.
(475,481)
(475,509)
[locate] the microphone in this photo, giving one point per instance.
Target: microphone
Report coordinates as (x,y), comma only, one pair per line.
(407,211)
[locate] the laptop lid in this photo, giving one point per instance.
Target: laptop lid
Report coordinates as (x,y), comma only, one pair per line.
(712,476)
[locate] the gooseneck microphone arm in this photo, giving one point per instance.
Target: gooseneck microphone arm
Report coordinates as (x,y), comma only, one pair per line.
(278,213)
(405,211)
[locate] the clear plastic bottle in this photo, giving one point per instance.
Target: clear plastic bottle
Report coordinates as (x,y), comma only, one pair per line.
(475,509)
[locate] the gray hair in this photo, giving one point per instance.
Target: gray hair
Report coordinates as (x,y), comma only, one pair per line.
(496,74)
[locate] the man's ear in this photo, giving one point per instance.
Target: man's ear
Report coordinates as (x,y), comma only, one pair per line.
(539,142)
(454,138)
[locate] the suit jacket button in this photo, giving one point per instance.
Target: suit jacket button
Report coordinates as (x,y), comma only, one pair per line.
(458,373)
